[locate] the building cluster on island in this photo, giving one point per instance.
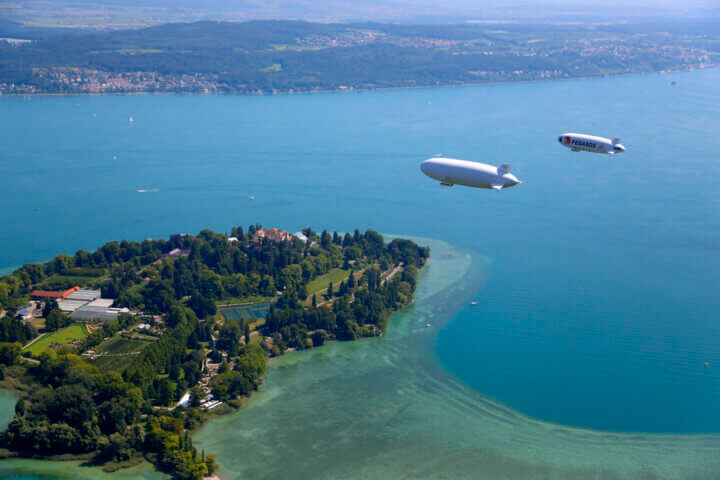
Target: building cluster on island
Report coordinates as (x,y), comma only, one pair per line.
(87,305)
(80,304)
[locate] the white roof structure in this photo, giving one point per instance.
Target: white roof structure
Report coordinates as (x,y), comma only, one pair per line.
(88,312)
(70,305)
(101,302)
(300,236)
(86,295)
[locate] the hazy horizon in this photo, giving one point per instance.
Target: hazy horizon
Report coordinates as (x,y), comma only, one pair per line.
(103,14)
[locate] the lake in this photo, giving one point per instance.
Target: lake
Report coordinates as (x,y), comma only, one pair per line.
(595,280)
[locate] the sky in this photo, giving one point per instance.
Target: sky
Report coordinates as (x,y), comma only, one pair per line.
(129,13)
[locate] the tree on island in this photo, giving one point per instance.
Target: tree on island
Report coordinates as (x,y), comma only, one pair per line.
(50,305)
(56,320)
(319,337)
(202,306)
(10,352)
(166,392)
(197,396)
(15,330)
(210,463)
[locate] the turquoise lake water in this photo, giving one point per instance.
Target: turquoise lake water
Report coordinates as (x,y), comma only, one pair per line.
(596,279)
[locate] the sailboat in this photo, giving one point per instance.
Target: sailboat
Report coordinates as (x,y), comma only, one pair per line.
(131,119)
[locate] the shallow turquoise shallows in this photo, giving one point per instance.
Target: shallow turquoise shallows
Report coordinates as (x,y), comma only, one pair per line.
(596,279)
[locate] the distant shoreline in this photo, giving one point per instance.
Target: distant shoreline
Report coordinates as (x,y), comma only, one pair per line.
(408,87)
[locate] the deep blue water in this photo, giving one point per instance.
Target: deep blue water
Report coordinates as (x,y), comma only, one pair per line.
(600,301)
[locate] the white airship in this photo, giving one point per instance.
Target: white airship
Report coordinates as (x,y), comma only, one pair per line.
(590,143)
(450,171)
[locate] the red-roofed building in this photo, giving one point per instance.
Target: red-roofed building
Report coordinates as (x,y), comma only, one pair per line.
(272,234)
(40,294)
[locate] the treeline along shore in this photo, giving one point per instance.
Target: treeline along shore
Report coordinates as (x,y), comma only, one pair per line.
(291,56)
(118,354)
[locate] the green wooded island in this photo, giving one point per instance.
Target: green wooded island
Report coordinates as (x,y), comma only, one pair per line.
(117,355)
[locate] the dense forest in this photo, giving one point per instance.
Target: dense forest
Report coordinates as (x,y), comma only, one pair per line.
(282,56)
(115,416)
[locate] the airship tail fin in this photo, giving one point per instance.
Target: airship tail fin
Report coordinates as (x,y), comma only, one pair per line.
(616,140)
(504,168)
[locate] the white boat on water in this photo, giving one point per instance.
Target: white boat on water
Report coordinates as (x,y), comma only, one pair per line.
(131,119)
(472,304)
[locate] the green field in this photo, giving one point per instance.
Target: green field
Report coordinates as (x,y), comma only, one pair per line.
(238,313)
(320,283)
(117,345)
(247,313)
(75,331)
(257,324)
(109,364)
(118,352)
(37,322)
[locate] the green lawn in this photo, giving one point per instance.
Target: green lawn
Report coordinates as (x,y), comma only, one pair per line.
(118,345)
(257,323)
(320,283)
(119,351)
(75,331)
(37,322)
(111,364)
